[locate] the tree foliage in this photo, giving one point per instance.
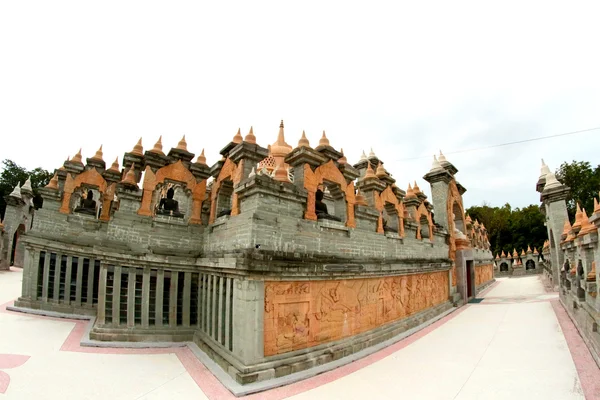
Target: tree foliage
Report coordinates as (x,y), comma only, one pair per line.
(509,229)
(13,174)
(584,182)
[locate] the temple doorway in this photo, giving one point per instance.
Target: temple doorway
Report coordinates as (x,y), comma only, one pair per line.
(470,288)
(13,252)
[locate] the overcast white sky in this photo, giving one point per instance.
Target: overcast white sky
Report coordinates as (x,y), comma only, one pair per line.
(406,78)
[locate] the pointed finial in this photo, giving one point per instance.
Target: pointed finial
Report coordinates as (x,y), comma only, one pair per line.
(416,188)
(280,148)
(158,147)
(372,153)
(16,191)
(138,150)
(250,138)
(53,184)
(544,170)
(529,249)
(130,177)
(77,158)
(363,156)
(201,158)
(324,141)
(380,171)
(360,199)
(27,185)
(280,174)
(442,157)
(596,206)
(115,165)
(342,159)
(98,155)
(182,145)
(551,181)
(303,142)
(369,174)
(237,138)
(436,166)
(252,173)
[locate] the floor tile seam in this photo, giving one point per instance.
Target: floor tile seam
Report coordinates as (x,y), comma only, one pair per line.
(482,355)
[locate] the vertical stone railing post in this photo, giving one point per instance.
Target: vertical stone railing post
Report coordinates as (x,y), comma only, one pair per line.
(248,320)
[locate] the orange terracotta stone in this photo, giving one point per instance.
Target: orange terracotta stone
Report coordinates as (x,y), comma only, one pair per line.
(53,184)
(98,155)
(591,276)
(201,158)
(77,158)
(182,145)
(158,147)
(303,142)
(303,314)
(138,150)
(369,174)
(324,141)
(115,165)
(250,138)
(238,137)
(483,274)
(130,177)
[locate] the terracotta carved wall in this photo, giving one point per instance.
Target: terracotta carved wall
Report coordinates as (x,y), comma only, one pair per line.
(302,314)
(483,274)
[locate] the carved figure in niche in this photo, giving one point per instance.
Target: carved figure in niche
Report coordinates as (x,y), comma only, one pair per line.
(321,207)
(169,206)
(87,205)
(566,266)
(580,270)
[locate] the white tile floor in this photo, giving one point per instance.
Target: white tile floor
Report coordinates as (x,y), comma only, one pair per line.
(510,350)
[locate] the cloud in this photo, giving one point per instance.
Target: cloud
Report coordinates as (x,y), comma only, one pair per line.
(405,78)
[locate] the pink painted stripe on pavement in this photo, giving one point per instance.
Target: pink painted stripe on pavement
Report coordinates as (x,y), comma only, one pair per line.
(589,373)
(213,388)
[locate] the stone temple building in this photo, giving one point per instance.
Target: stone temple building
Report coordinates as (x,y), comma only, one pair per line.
(571,254)
(527,263)
(18,219)
(272,261)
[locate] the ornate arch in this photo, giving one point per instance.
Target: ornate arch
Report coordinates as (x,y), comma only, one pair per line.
(454,197)
(388,196)
(90,177)
(330,172)
(176,172)
(423,211)
(229,171)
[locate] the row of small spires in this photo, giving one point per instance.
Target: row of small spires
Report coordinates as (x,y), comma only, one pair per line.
(515,253)
(17,191)
(582,225)
(279,148)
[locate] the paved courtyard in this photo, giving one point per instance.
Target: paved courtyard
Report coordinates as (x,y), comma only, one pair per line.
(517,343)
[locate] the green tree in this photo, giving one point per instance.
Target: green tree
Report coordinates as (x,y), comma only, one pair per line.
(509,229)
(584,182)
(13,174)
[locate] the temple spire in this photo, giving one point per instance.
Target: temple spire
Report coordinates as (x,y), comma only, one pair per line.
(99,154)
(303,142)
(182,145)
(138,150)
(238,137)
(158,147)
(250,138)
(324,141)
(201,158)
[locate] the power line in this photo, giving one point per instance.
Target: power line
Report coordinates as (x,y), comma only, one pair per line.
(505,144)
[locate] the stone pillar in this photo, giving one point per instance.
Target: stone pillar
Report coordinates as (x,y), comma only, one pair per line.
(248,320)
(554,198)
(439,181)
